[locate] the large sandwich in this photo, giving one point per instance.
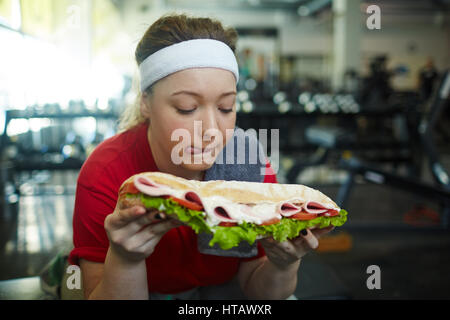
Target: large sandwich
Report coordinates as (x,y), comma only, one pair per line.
(233,211)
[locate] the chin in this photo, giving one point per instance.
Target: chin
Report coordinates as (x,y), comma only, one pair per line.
(197,167)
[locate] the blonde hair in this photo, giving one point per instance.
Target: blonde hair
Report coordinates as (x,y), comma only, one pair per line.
(167,30)
(131,115)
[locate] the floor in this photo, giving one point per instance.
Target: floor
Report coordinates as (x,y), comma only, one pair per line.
(413,262)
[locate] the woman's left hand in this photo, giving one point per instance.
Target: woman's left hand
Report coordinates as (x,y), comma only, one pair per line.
(284,254)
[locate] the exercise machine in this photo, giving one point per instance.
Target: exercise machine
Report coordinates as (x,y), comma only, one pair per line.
(327,139)
(440,191)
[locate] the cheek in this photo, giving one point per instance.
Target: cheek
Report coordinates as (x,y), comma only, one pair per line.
(176,129)
(163,122)
(172,133)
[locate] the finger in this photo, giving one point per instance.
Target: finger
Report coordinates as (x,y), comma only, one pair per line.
(318,233)
(150,232)
(285,249)
(310,239)
(286,253)
(301,244)
(149,218)
(162,227)
(268,242)
(276,247)
(131,213)
(286,246)
(123,217)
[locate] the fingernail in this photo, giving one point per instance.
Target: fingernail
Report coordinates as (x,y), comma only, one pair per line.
(304,232)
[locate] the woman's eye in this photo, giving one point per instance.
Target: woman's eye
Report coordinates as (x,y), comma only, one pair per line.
(226,110)
(184,111)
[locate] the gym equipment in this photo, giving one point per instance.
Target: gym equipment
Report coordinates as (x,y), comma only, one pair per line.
(284,107)
(439,192)
(279,97)
(329,138)
(304,98)
(243,96)
(42,147)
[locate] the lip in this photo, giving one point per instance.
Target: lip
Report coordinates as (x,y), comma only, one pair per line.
(194,151)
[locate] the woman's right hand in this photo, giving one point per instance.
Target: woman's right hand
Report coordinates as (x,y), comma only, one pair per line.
(134,232)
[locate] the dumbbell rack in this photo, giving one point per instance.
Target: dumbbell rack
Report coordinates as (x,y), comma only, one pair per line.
(266,115)
(13,168)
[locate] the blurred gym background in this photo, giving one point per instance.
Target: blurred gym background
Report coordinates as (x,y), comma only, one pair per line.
(363,114)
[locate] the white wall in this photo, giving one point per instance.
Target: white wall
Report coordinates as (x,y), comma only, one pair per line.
(429,35)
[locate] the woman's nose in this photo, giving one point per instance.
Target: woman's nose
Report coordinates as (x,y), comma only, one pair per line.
(209,123)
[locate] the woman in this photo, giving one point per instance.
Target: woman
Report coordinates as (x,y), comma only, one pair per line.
(122,254)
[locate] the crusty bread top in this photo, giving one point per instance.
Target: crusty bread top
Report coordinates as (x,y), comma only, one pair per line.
(240,191)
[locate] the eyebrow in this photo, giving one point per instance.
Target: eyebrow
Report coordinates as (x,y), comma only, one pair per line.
(199,95)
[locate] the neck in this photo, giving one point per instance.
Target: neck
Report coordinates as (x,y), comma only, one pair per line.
(165,164)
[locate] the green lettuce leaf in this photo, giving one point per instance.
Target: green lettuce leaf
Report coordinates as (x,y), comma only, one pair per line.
(229,237)
(194,219)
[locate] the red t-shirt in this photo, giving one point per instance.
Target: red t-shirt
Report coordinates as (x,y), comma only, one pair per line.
(109,165)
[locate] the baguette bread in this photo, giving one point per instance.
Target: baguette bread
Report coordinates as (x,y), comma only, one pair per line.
(239,191)
(233,210)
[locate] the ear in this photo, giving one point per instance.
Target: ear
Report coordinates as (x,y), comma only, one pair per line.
(145,105)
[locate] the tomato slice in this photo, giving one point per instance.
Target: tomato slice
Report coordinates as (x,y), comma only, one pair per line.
(228,224)
(332,212)
(271,221)
(188,204)
(129,188)
(304,216)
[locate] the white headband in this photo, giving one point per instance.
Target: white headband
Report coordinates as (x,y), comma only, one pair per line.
(197,53)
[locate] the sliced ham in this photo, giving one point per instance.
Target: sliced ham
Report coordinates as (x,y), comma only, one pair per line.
(262,212)
(315,208)
(219,209)
(193,197)
(216,209)
(290,208)
(247,209)
(222,214)
(153,189)
(150,188)
(238,212)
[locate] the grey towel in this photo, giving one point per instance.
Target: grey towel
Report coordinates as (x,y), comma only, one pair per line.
(242,159)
